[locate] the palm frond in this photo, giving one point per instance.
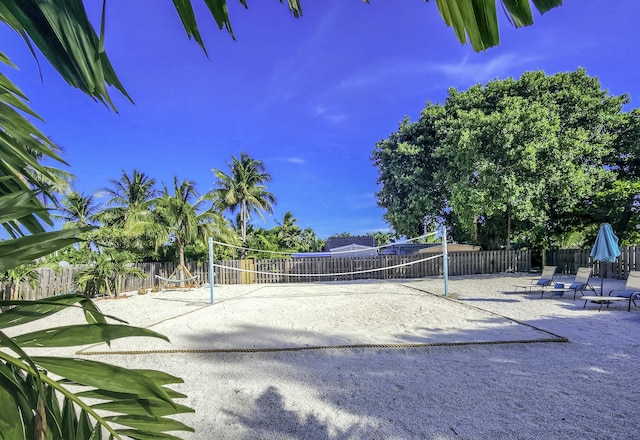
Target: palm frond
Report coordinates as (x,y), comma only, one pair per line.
(130,398)
(477,19)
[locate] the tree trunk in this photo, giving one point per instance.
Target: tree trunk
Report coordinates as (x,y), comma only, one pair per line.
(41,420)
(474,232)
(14,286)
(181,274)
(623,222)
(509,227)
(243,228)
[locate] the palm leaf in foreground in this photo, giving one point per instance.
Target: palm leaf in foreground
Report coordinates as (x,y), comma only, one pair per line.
(477,20)
(137,403)
(26,249)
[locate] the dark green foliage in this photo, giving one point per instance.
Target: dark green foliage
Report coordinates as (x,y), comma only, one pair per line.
(105,273)
(529,160)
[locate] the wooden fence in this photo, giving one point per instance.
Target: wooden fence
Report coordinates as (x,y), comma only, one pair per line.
(300,270)
(569,260)
(329,269)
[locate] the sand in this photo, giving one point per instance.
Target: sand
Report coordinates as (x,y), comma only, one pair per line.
(490,365)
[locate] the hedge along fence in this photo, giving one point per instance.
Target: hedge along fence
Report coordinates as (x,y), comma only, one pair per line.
(53,282)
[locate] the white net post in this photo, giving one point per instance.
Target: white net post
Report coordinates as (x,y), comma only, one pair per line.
(211,273)
(445,261)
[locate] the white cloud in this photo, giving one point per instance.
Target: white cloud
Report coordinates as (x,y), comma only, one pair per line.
(319,110)
(497,67)
(379,74)
(362,201)
(291,159)
(322,111)
(463,71)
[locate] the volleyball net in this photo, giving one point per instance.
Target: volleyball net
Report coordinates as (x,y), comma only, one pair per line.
(339,265)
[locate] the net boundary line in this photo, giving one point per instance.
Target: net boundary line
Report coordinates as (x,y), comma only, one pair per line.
(554,338)
(319,347)
(471,306)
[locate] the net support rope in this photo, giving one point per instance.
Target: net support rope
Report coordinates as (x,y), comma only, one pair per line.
(409,240)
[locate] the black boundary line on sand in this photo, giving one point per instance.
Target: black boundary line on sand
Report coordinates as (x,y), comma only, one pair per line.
(554,337)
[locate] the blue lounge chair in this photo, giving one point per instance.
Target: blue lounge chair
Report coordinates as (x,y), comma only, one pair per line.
(631,290)
(630,293)
(546,279)
(579,284)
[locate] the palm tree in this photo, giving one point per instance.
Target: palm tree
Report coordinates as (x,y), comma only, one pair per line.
(130,205)
(107,272)
(243,190)
(181,219)
(130,195)
(55,181)
(13,278)
(287,232)
(76,209)
(310,242)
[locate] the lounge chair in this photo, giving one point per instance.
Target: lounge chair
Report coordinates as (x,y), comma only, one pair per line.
(546,279)
(630,293)
(580,284)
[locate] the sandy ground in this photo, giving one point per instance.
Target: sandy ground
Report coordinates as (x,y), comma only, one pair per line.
(499,375)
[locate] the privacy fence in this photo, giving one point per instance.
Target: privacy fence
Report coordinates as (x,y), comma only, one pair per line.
(295,270)
(569,260)
(341,269)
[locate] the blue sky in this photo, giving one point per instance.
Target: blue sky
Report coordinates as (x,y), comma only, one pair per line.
(310,97)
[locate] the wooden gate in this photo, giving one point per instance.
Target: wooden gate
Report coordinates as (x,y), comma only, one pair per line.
(248,275)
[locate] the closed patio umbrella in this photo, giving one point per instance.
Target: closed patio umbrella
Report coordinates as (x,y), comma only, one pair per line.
(605,249)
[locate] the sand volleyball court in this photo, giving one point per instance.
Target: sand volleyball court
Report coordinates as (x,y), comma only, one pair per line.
(307,315)
(488,379)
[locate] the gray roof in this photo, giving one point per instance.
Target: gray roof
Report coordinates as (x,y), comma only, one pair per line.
(335,242)
(406,248)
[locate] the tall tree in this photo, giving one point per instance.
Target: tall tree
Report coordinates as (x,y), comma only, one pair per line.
(130,195)
(130,204)
(522,159)
(619,202)
(406,160)
(244,189)
(288,232)
(182,219)
(77,209)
